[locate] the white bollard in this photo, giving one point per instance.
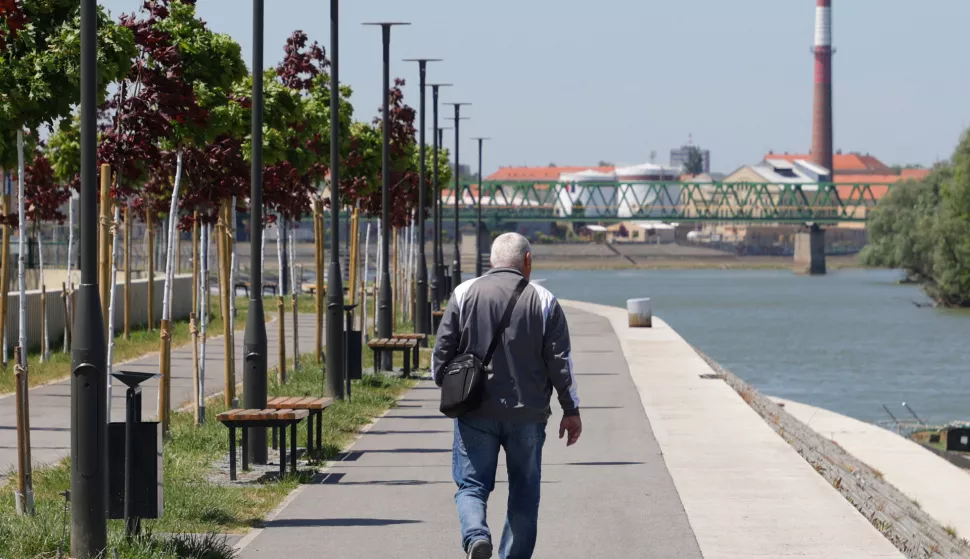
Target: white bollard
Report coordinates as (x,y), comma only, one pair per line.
(639,313)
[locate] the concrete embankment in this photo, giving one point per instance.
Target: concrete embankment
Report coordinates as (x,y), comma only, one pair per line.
(924,477)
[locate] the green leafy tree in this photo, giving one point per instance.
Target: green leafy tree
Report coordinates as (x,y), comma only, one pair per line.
(923,228)
(695,161)
(40,72)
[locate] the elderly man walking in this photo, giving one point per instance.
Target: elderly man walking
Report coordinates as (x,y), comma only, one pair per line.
(529,359)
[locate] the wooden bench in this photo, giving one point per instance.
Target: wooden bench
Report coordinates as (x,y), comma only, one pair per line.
(422,340)
(381,345)
(436,317)
(245,285)
(312,289)
(247,419)
(315,406)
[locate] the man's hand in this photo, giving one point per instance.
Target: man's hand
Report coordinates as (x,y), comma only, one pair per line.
(574,426)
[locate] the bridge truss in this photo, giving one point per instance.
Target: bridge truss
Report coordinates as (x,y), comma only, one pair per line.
(667,201)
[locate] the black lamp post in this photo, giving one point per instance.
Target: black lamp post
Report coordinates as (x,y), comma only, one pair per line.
(254,339)
(443,278)
(89,420)
(456,265)
(335,288)
(385,304)
(478,221)
(422,318)
(437,278)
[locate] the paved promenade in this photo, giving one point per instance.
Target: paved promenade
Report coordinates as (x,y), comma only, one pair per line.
(608,496)
(50,405)
(671,465)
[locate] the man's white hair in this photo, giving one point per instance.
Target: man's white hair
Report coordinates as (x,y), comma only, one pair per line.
(509,250)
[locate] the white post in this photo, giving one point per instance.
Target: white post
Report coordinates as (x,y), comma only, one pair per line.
(639,313)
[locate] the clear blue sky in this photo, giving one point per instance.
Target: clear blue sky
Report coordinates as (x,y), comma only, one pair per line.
(573,82)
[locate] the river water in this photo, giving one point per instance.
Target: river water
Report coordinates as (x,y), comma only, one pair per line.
(850,341)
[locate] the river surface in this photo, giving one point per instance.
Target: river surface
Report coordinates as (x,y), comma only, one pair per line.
(850,341)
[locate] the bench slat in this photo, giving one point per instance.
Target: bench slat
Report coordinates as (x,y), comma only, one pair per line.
(321,403)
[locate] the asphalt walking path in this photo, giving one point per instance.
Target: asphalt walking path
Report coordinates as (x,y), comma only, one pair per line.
(50,405)
(392,494)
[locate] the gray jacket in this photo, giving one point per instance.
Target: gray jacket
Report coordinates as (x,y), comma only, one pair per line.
(533,357)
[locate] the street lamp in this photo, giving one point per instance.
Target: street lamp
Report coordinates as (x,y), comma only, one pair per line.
(442,278)
(437,279)
(478,222)
(89,420)
(335,288)
(254,339)
(456,265)
(385,304)
(422,318)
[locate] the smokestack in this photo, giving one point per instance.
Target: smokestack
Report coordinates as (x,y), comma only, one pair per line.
(822,118)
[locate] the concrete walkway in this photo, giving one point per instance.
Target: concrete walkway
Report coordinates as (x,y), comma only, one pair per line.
(392,496)
(671,465)
(919,473)
(50,405)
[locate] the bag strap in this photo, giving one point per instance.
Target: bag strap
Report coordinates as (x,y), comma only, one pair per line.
(506,318)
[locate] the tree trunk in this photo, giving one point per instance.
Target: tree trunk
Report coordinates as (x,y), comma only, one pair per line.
(68,286)
(127,249)
(66,302)
(25,492)
(195,264)
(232,275)
(221,248)
(44,340)
(5,273)
(229,296)
(203,287)
(295,298)
(110,333)
(150,234)
(319,240)
(280,307)
(105,242)
(21,258)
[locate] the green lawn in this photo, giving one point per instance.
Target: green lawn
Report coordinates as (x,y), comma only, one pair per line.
(193,503)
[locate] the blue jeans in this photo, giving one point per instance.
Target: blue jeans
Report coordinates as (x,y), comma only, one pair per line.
(477,442)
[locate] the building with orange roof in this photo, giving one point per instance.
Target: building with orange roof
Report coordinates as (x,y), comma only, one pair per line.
(540,174)
(844,163)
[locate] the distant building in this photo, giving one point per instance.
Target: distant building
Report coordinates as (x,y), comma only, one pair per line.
(464,170)
(679,156)
(845,163)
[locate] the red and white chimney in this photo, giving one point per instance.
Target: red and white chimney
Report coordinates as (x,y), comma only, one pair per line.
(822,118)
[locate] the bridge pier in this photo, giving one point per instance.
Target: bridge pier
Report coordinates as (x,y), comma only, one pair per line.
(810,251)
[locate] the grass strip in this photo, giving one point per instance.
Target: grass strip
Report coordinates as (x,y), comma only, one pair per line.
(197,500)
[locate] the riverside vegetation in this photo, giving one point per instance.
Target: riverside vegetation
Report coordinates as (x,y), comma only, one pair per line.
(923,228)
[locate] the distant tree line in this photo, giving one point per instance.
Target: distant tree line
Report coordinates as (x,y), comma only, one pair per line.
(923,228)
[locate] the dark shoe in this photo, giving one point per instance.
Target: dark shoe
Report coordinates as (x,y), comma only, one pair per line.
(480,549)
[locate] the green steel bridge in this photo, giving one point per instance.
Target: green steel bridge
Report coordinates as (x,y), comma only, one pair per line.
(665,201)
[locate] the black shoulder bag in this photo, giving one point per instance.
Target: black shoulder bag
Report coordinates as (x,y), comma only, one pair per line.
(464,380)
